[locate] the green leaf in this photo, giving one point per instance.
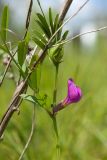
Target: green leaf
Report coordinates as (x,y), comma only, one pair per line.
(22,51)
(43,29)
(51,20)
(4,23)
(38,101)
(41,37)
(44,23)
(27,38)
(34,80)
(56,22)
(29,98)
(39,42)
(56,26)
(65,35)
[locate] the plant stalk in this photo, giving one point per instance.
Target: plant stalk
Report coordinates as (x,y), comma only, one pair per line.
(54,116)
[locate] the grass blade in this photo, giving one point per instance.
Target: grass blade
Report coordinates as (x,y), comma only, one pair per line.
(4,23)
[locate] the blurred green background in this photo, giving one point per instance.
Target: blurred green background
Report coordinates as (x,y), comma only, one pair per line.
(82,126)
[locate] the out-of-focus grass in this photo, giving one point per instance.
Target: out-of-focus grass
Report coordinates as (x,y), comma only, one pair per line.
(82,126)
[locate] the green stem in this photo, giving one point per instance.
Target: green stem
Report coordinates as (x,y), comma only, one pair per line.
(57,138)
(54,117)
(55,88)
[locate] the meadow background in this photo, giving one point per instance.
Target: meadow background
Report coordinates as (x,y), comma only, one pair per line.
(82,126)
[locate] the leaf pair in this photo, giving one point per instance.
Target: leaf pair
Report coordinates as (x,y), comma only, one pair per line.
(41,101)
(48,29)
(42,38)
(56,53)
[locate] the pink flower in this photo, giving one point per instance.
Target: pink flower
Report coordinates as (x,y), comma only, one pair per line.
(73,96)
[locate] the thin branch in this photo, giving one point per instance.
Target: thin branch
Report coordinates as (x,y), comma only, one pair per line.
(88,32)
(28,17)
(30,136)
(81,34)
(65,10)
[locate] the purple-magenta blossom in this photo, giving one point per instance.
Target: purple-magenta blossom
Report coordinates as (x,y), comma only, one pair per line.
(73,96)
(74,93)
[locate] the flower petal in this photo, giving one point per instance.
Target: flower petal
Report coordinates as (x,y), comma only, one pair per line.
(73,96)
(74,92)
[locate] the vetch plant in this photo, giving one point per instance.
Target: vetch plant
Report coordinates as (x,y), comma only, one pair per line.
(27,61)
